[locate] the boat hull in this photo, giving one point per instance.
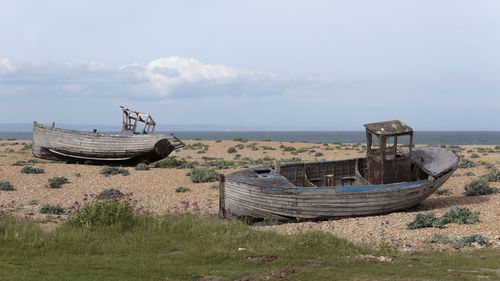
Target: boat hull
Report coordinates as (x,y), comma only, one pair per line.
(260,193)
(60,144)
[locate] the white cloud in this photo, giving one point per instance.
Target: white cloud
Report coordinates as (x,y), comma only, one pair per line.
(171,77)
(6,66)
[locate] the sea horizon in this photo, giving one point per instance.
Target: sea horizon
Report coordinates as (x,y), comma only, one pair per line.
(311,136)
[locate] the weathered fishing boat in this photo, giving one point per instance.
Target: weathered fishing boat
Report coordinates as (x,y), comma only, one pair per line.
(386,180)
(136,142)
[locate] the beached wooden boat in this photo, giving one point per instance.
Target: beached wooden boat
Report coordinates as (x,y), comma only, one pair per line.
(134,144)
(388,179)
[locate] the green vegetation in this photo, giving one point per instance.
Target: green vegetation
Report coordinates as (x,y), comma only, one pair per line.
(167,162)
(182,189)
(460,216)
(493,175)
(57,182)
(187,247)
(318,154)
(231,150)
(52,209)
(455,215)
(142,167)
(6,186)
(466,163)
(198,175)
(460,241)
(474,155)
(104,212)
(31,170)
(110,193)
(443,191)
(479,187)
(108,171)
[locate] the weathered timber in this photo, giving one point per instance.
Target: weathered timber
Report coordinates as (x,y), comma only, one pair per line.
(386,180)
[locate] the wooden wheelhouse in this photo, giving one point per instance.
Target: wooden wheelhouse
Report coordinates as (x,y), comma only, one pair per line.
(131,120)
(386,162)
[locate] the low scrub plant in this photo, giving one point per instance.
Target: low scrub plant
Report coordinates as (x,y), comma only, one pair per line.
(167,162)
(474,155)
(6,186)
(424,220)
(198,175)
(109,193)
(182,189)
(57,182)
(318,154)
(493,175)
(108,171)
(31,170)
(104,212)
(52,209)
(459,241)
(478,187)
(466,163)
(443,191)
(460,216)
(455,215)
(231,150)
(142,167)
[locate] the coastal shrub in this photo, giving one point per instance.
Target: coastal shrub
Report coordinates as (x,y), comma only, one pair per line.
(52,209)
(493,175)
(460,241)
(142,167)
(318,154)
(455,215)
(443,191)
(265,139)
(289,148)
(231,150)
(113,211)
(187,165)
(78,175)
(474,155)
(31,170)
(167,162)
(240,146)
(19,163)
(109,193)
(479,187)
(57,182)
(424,220)
(182,189)
(238,139)
(108,171)
(466,163)
(265,147)
(474,238)
(6,186)
(218,141)
(497,147)
(460,216)
(198,175)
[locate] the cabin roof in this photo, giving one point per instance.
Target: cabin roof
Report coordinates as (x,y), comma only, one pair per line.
(394,127)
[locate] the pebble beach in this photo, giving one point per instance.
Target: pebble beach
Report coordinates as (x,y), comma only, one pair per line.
(155,190)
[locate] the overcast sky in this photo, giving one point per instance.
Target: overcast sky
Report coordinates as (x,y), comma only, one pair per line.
(320,64)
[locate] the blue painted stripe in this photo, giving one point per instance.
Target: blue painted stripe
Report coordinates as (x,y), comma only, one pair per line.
(360,188)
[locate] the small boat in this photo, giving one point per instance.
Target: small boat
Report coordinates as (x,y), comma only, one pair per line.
(386,180)
(136,142)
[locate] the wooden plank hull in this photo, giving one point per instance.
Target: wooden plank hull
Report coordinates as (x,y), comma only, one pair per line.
(61,144)
(275,197)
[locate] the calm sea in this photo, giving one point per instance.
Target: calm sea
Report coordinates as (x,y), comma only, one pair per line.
(424,137)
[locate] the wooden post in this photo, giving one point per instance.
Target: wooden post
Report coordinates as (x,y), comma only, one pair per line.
(222,203)
(277,167)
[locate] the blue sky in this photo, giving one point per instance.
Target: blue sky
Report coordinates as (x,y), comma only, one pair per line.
(331,65)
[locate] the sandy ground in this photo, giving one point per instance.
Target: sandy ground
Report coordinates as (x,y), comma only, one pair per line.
(155,191)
